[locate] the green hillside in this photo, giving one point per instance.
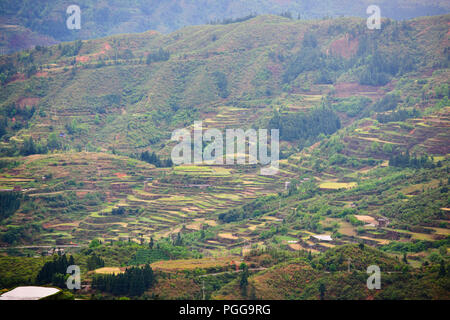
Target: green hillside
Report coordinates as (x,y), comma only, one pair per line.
(124,95)
(104,95)
(307,280)
(364,120)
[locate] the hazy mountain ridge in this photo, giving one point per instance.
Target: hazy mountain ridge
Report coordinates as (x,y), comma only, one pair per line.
(47,18)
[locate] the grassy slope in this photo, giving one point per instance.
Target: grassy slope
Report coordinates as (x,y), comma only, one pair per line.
(299,280)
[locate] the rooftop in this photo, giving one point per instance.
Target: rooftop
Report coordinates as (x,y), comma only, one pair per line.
(28,293)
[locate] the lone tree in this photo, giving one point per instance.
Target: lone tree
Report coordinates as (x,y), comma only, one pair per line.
(442,271)
(322,290)
(405,260)
(244,279)
(151,243)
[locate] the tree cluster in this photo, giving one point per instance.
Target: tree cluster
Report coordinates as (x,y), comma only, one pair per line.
(29,147)
(405,160)
(232,20)
(378,66)
(153,158)
(399,115)
(311,58)
(220,79)
(305,125)
(95,262)
(9,203)
(133,282)
(54,272)
(71,49)
(388,102)
(160,55)
(253,209)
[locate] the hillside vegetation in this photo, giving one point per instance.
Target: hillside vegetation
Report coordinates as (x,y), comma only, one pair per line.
(364,119)
(307,280)
(26,24)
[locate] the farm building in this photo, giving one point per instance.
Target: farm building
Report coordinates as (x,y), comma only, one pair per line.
(322,237)
(29,293)
(382,222)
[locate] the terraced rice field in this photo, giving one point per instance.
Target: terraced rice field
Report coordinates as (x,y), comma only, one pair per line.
(157,202)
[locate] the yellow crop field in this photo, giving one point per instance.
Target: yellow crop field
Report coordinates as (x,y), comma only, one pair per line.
(109,270)
(337,185)
(190,264)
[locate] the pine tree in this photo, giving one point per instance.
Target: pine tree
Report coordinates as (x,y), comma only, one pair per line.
(244,279)
(442,271)
(71,261)
(322,290)
(151,243)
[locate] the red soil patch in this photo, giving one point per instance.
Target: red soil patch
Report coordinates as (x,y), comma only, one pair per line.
(348,89)
(17,77)
(344,47)
(106,47)
(22,102)
(120,175)
(152,32)
(41,74)
(55,226)
(424,31)
(82,59)
(315,145)
(46,225)
(81,194)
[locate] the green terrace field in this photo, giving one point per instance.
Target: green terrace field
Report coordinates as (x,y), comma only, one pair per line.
(78,196)
(160,202)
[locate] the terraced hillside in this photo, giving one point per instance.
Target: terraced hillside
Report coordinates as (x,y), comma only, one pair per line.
(328,278)
(74,196)
(364,128)
(101,95)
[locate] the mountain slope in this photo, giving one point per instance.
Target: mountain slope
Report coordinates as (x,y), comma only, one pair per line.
(113,99)
(103,102)
(115,17)
(306,280)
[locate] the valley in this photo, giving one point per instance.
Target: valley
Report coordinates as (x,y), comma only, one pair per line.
(364,122)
